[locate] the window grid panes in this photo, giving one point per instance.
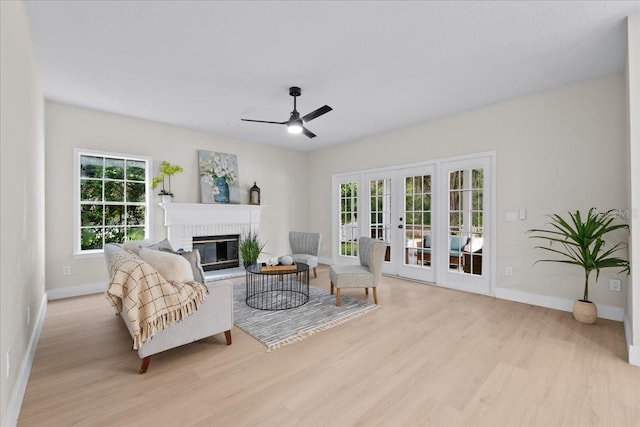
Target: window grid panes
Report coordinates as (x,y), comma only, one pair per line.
(348,219)
(466,222)
(418,220)
(113,200)
(380,211)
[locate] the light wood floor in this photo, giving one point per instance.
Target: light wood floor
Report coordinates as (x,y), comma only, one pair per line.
(429,357)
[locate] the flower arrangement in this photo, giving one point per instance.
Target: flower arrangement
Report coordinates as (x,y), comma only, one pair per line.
(166,170)
(217,166)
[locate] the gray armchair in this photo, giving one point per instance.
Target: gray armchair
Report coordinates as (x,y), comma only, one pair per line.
(305,248)
(366,275)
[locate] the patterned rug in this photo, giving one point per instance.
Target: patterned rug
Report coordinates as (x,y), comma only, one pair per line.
(276,329)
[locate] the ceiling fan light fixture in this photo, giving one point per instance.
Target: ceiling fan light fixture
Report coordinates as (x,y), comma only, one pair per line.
(295,124)
(295,127)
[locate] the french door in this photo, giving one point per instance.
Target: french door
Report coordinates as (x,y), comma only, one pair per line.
(465,216)
(436,219)
(415,220)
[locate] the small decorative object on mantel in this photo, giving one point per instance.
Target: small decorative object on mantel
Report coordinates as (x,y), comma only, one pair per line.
(218,177)
(254,195)
(164,177)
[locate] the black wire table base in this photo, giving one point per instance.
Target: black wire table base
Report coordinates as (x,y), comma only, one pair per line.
(277,290)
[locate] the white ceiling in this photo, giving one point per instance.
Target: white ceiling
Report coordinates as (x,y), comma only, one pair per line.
(381,65)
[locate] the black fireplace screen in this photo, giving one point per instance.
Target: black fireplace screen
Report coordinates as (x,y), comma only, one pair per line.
(218,252)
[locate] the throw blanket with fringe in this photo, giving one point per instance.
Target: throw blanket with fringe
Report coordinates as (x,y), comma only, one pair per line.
(150,301)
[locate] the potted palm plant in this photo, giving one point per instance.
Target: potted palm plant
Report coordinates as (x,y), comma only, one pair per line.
(581,243)
(250,249)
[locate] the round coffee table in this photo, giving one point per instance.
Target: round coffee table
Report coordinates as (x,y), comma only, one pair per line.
(277,289)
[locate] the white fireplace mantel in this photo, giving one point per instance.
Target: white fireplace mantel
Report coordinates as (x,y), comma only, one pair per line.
(187,220)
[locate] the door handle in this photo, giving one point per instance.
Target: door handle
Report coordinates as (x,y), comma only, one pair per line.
(400,226)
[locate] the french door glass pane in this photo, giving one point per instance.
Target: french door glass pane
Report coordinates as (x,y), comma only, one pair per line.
(349,219)
(466,220)
(380,206)
(417,214)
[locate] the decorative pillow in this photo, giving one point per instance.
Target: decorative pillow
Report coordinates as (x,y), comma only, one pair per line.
(458,242)
(172,267)
(161,246)
(135,245)
(194,261)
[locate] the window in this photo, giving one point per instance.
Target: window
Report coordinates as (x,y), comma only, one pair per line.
(112,199)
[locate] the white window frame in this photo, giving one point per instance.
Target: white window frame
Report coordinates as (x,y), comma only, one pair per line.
(77,153)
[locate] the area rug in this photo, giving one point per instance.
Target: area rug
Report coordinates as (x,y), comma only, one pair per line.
(276,329)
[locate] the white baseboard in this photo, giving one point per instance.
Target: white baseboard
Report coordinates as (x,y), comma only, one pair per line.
(76,291)
(604,311)
(633,350)
(10,418)
(326,261)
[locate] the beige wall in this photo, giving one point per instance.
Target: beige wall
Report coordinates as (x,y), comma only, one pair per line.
(280,174)
(22,202)
(556,151)
(633,97)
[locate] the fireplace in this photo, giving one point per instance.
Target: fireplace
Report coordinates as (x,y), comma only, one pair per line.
(218,252)
(188,222)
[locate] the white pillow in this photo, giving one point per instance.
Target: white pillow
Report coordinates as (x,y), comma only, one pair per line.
(135,245)
(172,267)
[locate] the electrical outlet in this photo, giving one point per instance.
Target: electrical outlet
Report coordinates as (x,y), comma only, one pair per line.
(8,363)
(614,285)
(508,271)
(512,216)
(28,315)
(66,270)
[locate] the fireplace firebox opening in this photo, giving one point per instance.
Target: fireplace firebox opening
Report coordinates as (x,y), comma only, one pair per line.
(218,252)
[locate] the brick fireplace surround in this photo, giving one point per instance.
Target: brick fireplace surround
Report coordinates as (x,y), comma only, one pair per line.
(187,220)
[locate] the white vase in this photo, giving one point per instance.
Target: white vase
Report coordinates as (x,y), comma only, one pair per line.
(166,199)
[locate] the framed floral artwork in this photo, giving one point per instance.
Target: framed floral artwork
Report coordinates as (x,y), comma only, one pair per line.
(218,177)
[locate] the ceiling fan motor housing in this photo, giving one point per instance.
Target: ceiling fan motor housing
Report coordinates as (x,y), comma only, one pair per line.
(295,91)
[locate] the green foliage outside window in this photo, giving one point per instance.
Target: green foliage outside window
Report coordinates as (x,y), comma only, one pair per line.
(113,195)
(348,202)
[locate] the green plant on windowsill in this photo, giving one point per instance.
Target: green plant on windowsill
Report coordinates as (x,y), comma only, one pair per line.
(164,177)
(581,243)
(250,249)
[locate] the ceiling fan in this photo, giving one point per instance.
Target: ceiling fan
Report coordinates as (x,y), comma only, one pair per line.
(295,124)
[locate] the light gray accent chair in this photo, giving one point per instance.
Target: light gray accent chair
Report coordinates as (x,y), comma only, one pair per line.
(214,316)
(305,248)
(366,275)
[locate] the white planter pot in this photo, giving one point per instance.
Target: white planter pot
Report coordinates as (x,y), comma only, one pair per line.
(166,199)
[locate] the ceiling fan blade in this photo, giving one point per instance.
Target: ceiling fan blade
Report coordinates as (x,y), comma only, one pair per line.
(308,132)
(317,113)
(264,121)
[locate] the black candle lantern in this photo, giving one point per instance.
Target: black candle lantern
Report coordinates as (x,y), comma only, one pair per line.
(254,195)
